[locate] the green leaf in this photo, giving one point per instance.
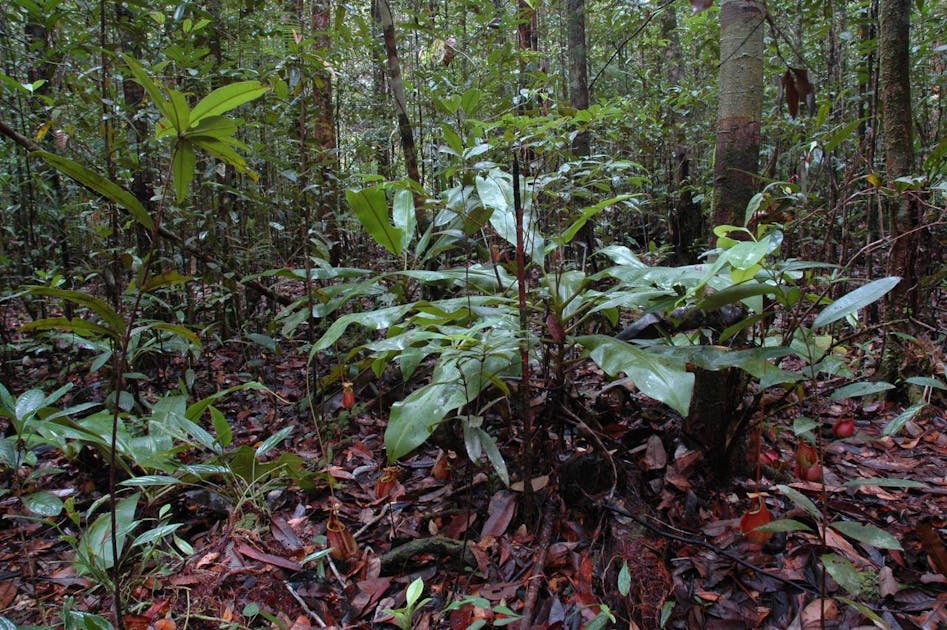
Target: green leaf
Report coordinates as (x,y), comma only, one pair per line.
(225,98)
(404,215)
(496,193)
(803,424)
(801,500)
(105,187)
(375,320)
(860,389)
(155,534)
(113,321)
(223,152)
(851,302)
(843,571)
(180,113)
(926,381)
(897,423)
(413,592)
(154,91)
(662,379)
(272,442)
(216,127)
(371,209)
(868,534)
(885,482)
(96,546)
(784,525)
(624,579)
(43,503)
(182,169)
(151,480)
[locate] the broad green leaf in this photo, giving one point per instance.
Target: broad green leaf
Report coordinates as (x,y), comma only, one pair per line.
(803,424)
(496,193)
(413,419)
(493,455)
(76,326)
(897,423)
(375,320)
(221,427)
(801,500)
(885,482)
(155,534)
(101,185)
(414,591)
(662,379)
(217,127)
(225,98)
(272,442)
(113,321)
(43,503)
(843,571)
(182,169)
(868,534)
(734,294)
(6,624)
(28,403)
(855,300)
(180,113)
(926,381)
(96,546)
(371,208)
(784,525)
(403,214)
(860,389)
(867,612)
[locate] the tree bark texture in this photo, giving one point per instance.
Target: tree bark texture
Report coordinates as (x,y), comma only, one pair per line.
(401,108)
(323,126)
(739,110)
(578,68)
(894,67)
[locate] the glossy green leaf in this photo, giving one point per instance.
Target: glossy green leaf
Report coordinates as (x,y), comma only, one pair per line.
(403,214)
(496,193)
(182,169)
(272,442)
(95,546)
(76,326)
(897,423)
(225,98)
(223,152)
(864,388)
(155,534)
(803,424)
(151,481)
(180,112)
(868,534)
(43,503)
(375,320)
(801,500)
(843,571)
(371,208)
(660,378)
(101,185)
(853,301)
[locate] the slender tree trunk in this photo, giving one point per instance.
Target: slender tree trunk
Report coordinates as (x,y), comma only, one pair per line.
(740,108)
(686,217)
(401,109)
(580,97)
(326,150)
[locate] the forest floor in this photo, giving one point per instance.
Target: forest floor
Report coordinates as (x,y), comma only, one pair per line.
(661,547)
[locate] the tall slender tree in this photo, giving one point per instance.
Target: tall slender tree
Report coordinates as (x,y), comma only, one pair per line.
(740,108)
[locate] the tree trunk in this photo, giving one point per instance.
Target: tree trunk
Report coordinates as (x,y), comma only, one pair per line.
(401,108)
(325,145)
(739,110)
(580,98)
(894,68)
(686,217)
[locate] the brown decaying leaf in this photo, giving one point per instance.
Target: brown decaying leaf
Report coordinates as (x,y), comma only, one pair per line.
(795,86)
(500,513)
(933,545)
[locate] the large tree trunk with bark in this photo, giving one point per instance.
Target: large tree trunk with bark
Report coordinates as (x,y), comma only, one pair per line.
(739,110)
(903,212)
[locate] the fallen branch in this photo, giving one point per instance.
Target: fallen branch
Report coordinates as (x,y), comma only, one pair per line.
(406,554)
